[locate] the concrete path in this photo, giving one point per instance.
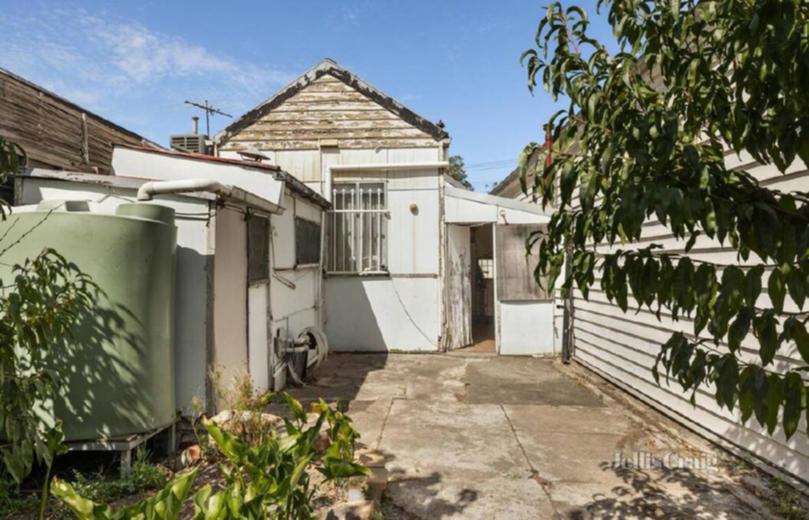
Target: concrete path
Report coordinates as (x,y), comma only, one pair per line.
(521,438)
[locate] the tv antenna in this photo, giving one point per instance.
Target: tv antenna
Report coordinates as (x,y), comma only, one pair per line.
(210,110)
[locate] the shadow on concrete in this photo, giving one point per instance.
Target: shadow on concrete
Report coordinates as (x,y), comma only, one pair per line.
(662,493)
(415,498)
(339,379)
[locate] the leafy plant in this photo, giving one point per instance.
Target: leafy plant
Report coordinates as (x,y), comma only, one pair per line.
(457,170)
(787,501)
(167,504)
(270,479)
(142,477)
(39,308)
(645,136)
(13,501)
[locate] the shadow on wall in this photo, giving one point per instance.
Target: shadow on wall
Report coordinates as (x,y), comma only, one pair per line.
(380,313)
(191,327)
(103,367)
(351,322)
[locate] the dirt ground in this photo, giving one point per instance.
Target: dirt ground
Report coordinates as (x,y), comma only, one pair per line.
(497,437)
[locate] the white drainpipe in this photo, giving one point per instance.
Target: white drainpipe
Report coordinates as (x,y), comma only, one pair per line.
(231,193)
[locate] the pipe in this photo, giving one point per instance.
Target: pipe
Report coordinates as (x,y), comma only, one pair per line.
(230,193)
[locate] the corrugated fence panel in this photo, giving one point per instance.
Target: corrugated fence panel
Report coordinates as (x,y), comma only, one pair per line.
(623,346)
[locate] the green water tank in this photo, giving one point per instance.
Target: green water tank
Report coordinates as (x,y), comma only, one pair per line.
(119,367)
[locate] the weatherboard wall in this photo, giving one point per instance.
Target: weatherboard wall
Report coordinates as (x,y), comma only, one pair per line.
(622,347)
(55,132)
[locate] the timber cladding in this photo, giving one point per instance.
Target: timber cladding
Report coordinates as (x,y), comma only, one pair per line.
(515,268)
(54,132)
(329,109)
(330,106)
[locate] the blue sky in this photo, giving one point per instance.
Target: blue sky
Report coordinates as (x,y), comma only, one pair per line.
(136,62)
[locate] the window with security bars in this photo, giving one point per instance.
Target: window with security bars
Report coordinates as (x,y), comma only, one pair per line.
(358,234)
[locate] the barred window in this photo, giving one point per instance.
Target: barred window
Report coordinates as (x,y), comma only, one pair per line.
(359,228)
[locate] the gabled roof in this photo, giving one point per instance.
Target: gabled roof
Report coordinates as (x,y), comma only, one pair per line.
(329,66)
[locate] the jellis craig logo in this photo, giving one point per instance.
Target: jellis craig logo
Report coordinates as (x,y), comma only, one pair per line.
(647,460)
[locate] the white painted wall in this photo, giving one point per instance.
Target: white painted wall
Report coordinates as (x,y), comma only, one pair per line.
(130,162)
(295,292)
(380,314)
(401,311)
(193,256)
(230,297)
(526,328)
(259,361)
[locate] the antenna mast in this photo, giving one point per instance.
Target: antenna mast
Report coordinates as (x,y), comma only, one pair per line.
(209,111)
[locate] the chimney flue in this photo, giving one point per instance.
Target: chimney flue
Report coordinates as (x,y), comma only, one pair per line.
(195,125)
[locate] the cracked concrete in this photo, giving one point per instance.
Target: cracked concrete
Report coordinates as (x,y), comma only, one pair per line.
(496,437)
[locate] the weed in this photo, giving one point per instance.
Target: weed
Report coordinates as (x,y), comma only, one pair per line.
(266,480)
(144,476)
(13,501)
(787,501)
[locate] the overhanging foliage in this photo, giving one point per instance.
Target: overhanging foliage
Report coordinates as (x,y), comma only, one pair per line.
(645,137)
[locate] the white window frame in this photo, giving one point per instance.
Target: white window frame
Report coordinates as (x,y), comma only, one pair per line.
(357,225)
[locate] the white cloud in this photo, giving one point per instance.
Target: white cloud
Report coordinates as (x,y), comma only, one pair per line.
(99,59)
(144,56)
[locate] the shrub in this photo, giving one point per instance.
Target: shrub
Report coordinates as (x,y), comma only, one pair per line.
(265,478)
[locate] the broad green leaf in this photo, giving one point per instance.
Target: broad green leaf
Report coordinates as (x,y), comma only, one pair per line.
(794,390)
(739,329)
(776,289)
(801,339)
(295,407)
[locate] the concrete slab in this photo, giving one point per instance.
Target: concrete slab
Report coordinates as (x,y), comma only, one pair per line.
(492,437)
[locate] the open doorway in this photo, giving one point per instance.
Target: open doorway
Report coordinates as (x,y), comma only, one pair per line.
(483,301)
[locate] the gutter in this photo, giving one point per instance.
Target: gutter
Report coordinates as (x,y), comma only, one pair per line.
(389,166)
(148,190)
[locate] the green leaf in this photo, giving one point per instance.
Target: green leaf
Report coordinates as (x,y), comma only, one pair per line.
(775,396)
(726,382)
(337,469)
(777,289)
(296,407)
(752,285)
(801,339)
(764,327)
(747,395)
(739,329)
(83,508)
(797,286)
(794,397)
